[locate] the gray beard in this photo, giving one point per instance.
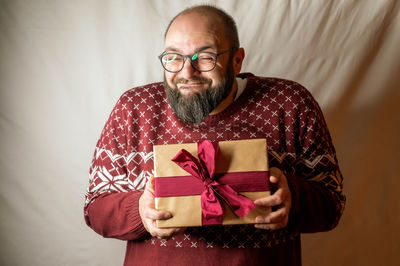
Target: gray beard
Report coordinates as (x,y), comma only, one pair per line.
(195,108)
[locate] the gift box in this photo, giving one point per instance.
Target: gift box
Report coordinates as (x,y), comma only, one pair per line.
(209,183)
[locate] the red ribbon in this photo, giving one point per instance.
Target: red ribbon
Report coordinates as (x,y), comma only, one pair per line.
(204,170)
(177,186)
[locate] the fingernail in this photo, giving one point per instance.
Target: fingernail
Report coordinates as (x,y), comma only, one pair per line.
(167,216)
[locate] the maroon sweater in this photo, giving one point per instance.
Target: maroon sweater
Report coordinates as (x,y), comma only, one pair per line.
(299,143)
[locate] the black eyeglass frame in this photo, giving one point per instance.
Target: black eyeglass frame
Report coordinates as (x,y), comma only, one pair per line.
(191,61)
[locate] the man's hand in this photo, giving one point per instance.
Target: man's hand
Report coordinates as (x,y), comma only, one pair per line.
(149,214)
(281,198)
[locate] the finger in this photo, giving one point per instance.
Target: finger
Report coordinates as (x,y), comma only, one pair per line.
(269,201)
(276,217)
(154,214)
(273,179)
(275,175)
(270,226)
(162,232)
(275,199)
(150,185)
(165,233)
(276,221)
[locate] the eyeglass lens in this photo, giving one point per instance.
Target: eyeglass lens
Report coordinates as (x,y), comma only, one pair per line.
(202,61)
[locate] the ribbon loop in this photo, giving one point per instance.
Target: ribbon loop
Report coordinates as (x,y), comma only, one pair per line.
(204,170)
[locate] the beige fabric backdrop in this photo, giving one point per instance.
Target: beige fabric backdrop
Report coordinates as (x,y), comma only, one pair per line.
(63,64)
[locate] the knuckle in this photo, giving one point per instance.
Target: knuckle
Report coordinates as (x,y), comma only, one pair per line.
(278,200)
(276,227)
(165,233)
(147,213)
(281,217)
(152,231)
(261,226)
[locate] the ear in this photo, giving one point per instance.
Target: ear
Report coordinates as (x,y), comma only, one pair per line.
(238,60)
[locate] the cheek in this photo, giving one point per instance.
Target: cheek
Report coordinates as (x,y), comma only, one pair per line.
(216,76)
(169,77)
(221,68)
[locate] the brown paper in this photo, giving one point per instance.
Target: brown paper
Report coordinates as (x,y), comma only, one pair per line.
(233,156)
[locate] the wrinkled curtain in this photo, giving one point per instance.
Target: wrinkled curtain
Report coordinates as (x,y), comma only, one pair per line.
(63,65)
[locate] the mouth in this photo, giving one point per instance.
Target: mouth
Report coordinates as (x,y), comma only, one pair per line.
(190,85)
(188,90)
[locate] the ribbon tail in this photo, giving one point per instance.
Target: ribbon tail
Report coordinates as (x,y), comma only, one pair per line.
(211,208)
(239,204)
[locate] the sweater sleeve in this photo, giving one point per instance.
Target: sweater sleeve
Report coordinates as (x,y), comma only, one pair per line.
(116,215)
(115,186)
(314,177)
(315,207)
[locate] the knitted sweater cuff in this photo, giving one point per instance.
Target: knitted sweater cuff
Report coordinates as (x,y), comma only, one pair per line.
(132,209)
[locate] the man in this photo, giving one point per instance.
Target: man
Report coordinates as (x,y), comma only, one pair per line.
(204,97)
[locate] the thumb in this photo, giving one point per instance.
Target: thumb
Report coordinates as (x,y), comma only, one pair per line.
(275,175)
(150,185)
(273,179)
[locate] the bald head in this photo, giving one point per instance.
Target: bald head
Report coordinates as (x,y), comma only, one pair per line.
(218,19)
(207,36)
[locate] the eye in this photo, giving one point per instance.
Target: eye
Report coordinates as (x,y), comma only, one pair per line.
(205,57)
(170,58)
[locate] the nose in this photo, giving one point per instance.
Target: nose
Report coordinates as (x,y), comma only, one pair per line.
(188,71)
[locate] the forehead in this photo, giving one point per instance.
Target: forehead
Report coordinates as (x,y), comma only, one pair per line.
(192,31)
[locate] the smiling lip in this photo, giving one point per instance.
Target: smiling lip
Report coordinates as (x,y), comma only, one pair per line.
(190,85)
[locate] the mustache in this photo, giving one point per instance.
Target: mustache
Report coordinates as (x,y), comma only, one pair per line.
(200,80)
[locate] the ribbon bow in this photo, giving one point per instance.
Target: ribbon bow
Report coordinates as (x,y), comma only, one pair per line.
(204,170)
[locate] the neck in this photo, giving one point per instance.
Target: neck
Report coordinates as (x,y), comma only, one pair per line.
(227,101)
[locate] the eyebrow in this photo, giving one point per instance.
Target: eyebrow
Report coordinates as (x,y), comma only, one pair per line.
(177,50)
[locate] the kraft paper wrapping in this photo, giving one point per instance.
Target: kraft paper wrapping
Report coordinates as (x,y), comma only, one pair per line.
(233,156)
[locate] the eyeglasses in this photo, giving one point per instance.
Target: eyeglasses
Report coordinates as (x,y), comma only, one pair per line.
(201,61)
